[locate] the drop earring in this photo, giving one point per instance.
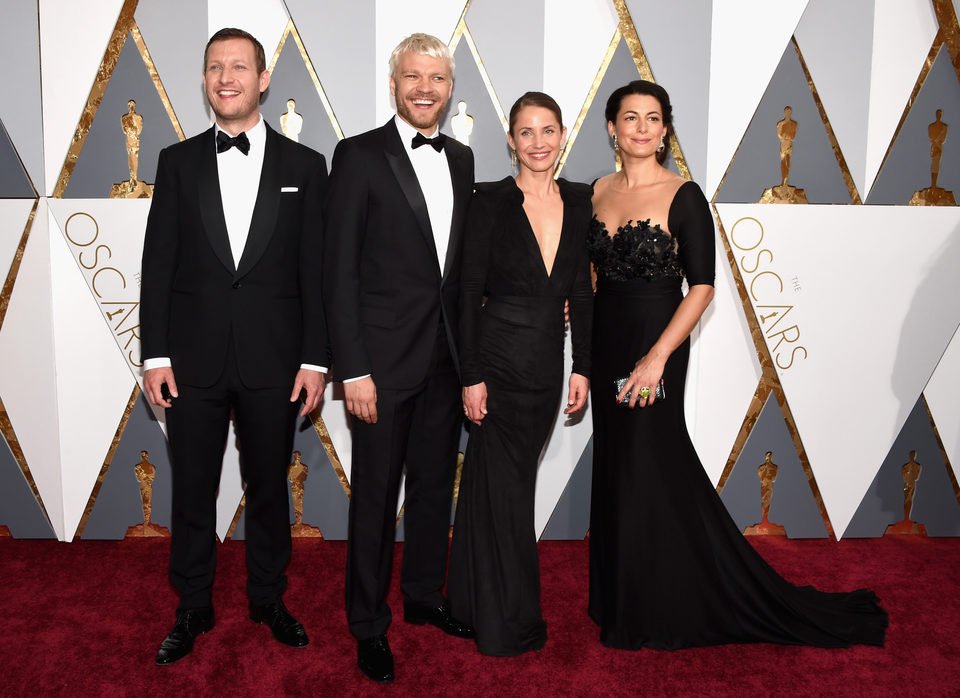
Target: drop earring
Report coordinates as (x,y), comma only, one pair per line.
(513,159)
(661,146)
(616,146)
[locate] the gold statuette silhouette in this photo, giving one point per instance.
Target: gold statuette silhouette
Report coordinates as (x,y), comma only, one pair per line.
(934,195)
(767,472)
(297,474)
(911,473)
(462,123)
(291,123)
(784,193)
(146,471)
(132,128)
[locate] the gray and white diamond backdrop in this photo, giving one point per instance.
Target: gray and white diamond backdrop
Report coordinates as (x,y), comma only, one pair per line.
(832,342)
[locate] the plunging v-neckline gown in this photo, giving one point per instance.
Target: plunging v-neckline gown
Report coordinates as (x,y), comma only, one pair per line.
(513,342)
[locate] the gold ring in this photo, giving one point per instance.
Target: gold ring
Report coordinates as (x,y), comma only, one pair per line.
(644,392)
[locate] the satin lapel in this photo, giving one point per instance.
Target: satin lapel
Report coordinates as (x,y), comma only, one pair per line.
(264,219)
(462,180)
(211,203)
(407,178)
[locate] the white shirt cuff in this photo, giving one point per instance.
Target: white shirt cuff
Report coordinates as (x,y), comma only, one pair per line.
(156,362)
(164,361)
(357,378)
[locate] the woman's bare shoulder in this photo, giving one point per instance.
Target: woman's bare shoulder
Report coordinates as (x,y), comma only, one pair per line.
(602,185)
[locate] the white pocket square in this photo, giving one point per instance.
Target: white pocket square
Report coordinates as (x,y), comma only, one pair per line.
(286,189)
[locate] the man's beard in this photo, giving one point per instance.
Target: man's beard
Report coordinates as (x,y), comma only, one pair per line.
(419,119)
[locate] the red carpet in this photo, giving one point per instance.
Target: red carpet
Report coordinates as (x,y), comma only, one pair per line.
(85,619)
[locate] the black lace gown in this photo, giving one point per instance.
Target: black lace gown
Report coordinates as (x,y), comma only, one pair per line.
(513,343)
(668,566)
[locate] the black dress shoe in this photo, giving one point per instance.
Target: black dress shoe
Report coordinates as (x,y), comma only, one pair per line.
(179,642)
(438,617)
(284,626)
(375,658)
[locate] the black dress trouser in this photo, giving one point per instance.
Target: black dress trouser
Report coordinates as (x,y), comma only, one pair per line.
(198,427)
(419,429)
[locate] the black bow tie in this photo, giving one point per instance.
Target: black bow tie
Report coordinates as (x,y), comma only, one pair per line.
(225,142)
(436,142)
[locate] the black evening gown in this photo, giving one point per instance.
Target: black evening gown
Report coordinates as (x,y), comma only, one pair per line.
(668,566)
(514,344)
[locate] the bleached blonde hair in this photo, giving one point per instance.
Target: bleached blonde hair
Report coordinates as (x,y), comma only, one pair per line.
(422,45)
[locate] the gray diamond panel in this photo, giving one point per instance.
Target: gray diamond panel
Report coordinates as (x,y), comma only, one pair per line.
(103,159)
(792,505)
(19,510)
(290,80)
(813,165)
(488,140)
(14,183)
(907,167)
(118,505)
(934,503)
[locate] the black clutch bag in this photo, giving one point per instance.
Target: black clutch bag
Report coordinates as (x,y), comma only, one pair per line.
(620,382)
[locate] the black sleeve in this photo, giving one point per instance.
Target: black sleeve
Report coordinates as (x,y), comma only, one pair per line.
(345,217)
(477,247)
(159,263)
(316,347)
(581,315)
(691,223)
(581,295)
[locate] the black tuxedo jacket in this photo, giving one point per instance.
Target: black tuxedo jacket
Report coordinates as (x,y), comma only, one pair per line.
(194,301)
(383,287)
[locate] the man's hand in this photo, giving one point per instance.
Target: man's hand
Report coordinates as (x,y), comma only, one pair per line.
(361,399)
(312,382)
(153,381)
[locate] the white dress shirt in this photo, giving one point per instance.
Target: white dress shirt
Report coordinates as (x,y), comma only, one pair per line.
(433,173)
(239,177)
(239,183)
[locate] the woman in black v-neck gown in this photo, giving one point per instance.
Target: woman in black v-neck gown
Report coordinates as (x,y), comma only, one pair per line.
(513,346)
(668,566)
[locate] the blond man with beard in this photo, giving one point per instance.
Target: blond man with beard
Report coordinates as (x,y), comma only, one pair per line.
(395,211)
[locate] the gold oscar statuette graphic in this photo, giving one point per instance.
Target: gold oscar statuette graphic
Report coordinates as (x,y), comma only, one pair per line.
(297,474)
(291,123)
(132,128)
(146,471)
(462,123)
(911,473)
(783,193)
(934,195)
(767,472)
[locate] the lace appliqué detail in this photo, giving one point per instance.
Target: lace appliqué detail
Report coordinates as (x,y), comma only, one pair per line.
(636,251)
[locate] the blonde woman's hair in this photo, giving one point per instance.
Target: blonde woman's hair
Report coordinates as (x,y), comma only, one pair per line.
(422,45)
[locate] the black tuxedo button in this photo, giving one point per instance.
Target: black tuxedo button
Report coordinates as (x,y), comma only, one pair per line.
(237,284)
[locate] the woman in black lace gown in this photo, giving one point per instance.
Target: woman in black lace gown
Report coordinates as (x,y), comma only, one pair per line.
(668,566)
(525,251)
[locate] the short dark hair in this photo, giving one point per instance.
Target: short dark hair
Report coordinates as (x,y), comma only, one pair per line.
(234,33)
(534,99)
(643,87)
